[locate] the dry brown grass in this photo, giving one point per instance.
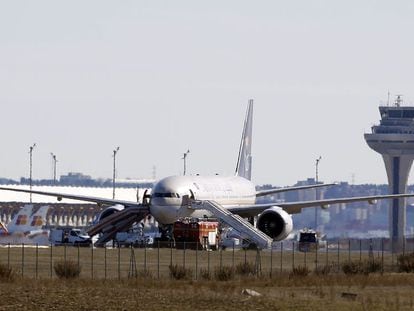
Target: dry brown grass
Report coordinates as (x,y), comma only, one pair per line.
(340,292)
(299,272)
(115,264)
(6,273)
(153,289)
(224,273)
(246,269)
(406,262)
(178,272)
(362,267)
(67,269)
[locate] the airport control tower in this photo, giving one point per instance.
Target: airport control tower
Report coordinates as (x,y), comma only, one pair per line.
(393,138)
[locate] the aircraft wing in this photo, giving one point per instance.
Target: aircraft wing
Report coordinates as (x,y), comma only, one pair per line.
(60,196)
(278,190)
(296,207)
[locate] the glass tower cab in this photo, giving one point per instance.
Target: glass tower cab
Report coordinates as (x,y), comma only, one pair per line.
(393,138)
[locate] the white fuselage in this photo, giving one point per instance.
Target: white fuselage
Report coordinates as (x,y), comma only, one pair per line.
(167,195)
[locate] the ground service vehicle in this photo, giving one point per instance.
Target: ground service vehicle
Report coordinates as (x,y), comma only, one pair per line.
(310,240)
(135,239)
(69,236)
(196,234)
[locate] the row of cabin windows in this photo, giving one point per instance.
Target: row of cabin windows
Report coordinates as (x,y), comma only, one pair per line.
(165,195)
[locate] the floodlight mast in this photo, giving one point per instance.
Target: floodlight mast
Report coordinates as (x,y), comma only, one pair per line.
(114,172)
(54,167)
(316,189)
(31,168)
(185,161)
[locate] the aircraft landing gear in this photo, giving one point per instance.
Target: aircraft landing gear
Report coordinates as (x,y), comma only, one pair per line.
(166,237)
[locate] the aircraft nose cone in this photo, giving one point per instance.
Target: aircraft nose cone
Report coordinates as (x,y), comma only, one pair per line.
(164,214)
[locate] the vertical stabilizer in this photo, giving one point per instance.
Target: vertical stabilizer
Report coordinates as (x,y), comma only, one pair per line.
(25,220)
(38,219)
(21,220)
(244,162)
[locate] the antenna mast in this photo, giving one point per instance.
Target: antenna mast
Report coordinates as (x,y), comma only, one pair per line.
(398,101)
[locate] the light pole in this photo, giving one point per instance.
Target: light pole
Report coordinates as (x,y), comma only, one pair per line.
(54,167)
(31,168)
(185,161)
(316,189)
(114,172)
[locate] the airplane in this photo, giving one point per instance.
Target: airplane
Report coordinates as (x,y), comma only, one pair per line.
(26,224)
(217,196)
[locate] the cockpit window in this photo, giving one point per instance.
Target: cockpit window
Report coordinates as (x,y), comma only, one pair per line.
(166,195)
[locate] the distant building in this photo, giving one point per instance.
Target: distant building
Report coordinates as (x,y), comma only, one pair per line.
(79,179)
(75,179)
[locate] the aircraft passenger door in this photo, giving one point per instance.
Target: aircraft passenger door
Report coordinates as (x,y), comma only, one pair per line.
(192,196)
(187,199)
(146,198)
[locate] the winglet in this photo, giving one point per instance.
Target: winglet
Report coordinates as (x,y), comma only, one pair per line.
(244,161)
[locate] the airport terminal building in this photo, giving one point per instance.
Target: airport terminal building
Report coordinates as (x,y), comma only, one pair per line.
(65,212)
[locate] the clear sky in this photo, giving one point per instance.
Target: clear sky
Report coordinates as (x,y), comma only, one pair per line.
(159,77)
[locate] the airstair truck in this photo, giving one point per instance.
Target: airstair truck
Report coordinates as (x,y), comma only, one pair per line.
(69,236)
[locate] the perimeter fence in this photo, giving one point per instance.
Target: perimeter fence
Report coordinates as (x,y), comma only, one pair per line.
(162,260)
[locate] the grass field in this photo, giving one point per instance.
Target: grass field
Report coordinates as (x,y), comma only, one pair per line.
(119,263)
(339,292)
(105,281)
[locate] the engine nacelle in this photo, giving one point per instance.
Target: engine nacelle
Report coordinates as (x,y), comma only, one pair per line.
(276,223)
(109,211)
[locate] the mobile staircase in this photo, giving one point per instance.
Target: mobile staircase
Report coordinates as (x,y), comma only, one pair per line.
(117,222)
(246,230)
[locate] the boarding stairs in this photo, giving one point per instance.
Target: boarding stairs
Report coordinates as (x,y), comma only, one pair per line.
(117,222)
(247,230)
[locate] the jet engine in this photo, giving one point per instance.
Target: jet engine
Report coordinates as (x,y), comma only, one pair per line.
(109,211)
(276,223)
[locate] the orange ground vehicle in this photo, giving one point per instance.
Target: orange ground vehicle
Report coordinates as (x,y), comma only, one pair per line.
(196,234)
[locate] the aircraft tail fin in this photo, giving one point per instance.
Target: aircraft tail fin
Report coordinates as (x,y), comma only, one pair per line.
(244,161)
(25,221)
(38,219)
(21,219)
(3,229)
